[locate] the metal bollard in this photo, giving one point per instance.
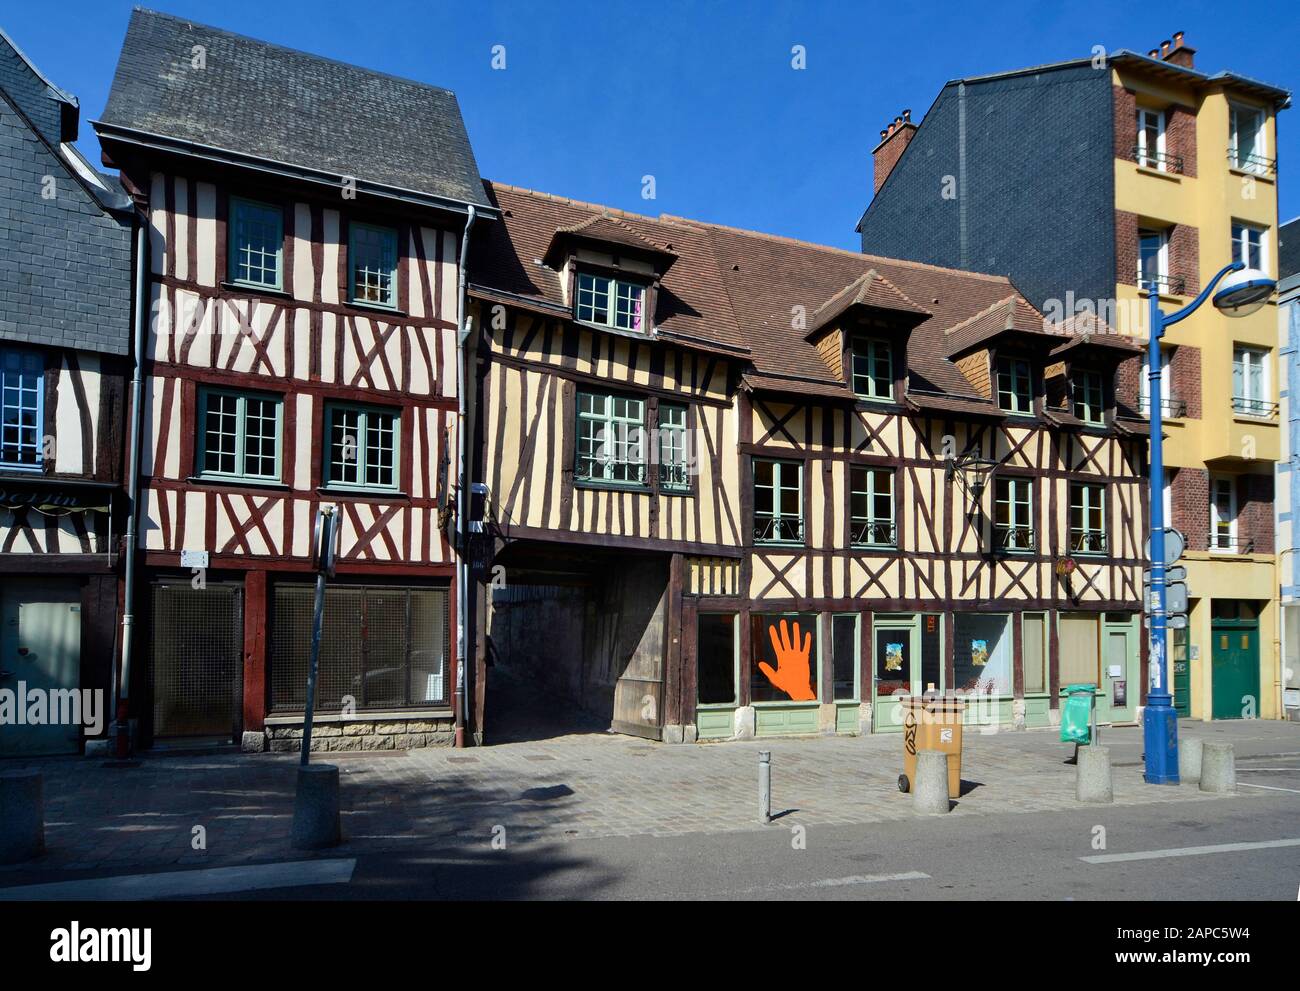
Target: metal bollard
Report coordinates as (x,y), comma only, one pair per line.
(764,786)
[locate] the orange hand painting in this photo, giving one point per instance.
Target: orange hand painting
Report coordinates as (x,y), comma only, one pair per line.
(791,674)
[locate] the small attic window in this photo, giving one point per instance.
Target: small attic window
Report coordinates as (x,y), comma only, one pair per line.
(610,302)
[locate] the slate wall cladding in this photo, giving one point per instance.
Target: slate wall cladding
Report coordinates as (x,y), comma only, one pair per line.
(1038,184)
(65,264)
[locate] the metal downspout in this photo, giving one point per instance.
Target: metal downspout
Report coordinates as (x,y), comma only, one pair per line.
(462,576)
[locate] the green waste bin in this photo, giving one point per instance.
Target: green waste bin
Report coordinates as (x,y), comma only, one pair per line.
(1076,714)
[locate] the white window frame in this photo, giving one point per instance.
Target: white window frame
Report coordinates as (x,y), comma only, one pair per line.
(1012,363)
(872,351)
(869,522)
(1228,484)
(1246,357)
(1240,240)
(1261,138)
(1085,385)
(1080,536)
(1019,503)
(778,517)
(617,440)
(1162,258)
(614,291)
(1146,157)
(1144,383)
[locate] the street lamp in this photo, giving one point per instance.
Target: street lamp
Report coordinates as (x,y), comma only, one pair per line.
(1244,290)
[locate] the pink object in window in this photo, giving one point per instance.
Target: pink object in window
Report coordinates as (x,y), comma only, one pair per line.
(636,314)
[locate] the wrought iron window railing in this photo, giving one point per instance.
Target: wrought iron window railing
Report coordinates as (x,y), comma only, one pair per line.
(674,477)
(1170,407)
(1253,407)
(1087,542)
(1168,285)
(609,470)
(873,533)
(1224,543)
(1257,164)
(1158,160)
(1007,538)
(777,529)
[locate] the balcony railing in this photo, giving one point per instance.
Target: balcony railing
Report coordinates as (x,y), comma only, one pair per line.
(1170,407)
(609,470)
(1158,160)
(1087,542)
(1013,539)
(1166,285)
(777,530)
(1257,164)
(871,533)
(1243,406)
(1226,544)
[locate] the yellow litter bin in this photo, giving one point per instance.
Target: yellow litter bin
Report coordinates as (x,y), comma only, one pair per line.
(932,722)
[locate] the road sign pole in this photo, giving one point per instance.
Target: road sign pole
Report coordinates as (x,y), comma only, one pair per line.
(1159,720)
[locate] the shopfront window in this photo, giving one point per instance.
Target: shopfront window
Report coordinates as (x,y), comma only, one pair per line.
(982,658)
(785,657)
(892,660)
(1080,646)
(716,659)
(844,656)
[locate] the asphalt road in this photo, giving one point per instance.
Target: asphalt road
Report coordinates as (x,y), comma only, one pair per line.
(1037,856)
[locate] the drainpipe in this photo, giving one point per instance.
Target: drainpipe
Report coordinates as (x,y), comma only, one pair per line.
(462,473)
(133,491)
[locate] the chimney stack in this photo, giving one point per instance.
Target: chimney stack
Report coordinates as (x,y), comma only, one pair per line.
(894,139)
(1180,54)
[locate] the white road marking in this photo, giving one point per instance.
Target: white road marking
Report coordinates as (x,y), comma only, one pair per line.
(839,882)
(173,884)
(1187,851)
(1245,784)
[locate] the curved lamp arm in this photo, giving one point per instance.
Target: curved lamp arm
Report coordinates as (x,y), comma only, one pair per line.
(1195,304)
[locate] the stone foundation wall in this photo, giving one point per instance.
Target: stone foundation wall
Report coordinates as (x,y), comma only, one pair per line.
(362,734)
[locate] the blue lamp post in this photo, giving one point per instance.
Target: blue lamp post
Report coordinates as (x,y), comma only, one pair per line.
(1244,291)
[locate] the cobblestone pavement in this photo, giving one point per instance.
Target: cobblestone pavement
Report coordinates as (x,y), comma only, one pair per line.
(102,818)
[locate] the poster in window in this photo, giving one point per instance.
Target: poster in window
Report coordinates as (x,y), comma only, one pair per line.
(1119,693)
(785,658)
(892,661)
(979,653)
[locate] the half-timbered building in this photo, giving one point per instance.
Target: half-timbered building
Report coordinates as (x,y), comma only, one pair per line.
(734,484)
(305,227)
(65,333)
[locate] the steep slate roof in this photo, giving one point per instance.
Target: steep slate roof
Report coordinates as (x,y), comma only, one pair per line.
(254,100)
(65,261)
(742,291)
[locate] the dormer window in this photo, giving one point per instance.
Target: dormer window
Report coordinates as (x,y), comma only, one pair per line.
(1089,396)
(873,368)
(1015,386)
(610,302)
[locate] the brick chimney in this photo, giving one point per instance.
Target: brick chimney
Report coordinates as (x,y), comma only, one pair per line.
(893,142)
(1178,53)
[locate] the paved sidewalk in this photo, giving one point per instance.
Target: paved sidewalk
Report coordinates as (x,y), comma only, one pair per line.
(101,818)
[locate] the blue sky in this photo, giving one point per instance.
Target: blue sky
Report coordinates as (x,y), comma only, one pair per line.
(701,95)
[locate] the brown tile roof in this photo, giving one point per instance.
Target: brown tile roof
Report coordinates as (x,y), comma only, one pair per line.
(610,230)
(753,293)
(1011,314)
(869,289)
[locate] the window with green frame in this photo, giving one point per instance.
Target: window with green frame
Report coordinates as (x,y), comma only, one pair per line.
(363,445)
(1013,515)
(372,264)
(871,507)
(239,435)
(611,439)
(1087,518)
(610,302)
(1089,396)
(1015,386)
(778,501)
(873,368)
(674,457)
(256,244)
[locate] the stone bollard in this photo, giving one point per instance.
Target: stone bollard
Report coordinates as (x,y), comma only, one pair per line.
(1092,777)
(22,816)
(764,786)
(316,807)
(1218,768)
(1189,759)
(930,789)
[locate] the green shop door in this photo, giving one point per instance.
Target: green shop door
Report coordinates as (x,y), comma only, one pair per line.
(1121,669)
(906,658)
(1179,652)
(40,652)
(1235,669)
